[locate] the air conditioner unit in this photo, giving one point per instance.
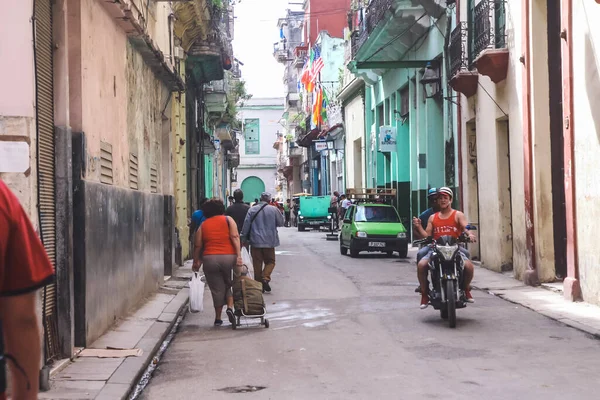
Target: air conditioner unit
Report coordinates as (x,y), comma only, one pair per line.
(178,52)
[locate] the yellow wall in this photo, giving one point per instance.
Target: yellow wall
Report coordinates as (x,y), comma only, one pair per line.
(178,130)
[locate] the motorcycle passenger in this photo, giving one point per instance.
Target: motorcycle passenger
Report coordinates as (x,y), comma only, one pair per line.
(446,222)
(420,223)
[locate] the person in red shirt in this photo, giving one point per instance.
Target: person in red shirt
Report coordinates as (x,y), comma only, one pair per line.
(24,268)
(448,222)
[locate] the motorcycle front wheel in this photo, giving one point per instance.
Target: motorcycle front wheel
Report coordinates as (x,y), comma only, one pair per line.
(451,303)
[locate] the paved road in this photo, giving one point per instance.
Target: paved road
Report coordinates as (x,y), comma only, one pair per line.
(344,328)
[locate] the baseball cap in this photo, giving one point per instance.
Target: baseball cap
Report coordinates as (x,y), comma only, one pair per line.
(432,192)
(265,196)
(446,190)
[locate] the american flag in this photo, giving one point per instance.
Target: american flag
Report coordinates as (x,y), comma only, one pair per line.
(317,66)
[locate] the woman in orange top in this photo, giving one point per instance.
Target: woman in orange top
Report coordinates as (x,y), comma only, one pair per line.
(217,246)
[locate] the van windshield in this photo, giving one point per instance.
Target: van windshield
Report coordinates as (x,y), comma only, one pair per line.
(376,214)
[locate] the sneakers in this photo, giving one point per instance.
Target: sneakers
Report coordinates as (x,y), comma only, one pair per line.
(469,297)
(218,322)
(266,287)
(230,315)
(424,301)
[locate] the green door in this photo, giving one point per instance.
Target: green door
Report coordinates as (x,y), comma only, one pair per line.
(252,188)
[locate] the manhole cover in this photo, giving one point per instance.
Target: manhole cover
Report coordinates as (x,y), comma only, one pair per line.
(242,389)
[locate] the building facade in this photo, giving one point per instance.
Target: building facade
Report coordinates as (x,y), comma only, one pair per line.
(398,100)
(528,73)
(257,171)
(95,141)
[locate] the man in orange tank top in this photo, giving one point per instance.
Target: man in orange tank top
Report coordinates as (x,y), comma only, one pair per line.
(446,222)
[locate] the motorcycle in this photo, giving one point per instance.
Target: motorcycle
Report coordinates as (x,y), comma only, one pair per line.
(446,267)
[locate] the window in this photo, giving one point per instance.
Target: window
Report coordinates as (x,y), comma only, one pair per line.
(376,214)
(404,101)
(252,136)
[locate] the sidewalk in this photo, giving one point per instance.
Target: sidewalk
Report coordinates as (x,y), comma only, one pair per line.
(546,300)
(114,378)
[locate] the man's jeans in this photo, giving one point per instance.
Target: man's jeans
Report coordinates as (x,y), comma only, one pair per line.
(260,256)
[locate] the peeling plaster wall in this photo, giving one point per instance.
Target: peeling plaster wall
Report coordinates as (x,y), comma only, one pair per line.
(494,213)
(354,122)
(17,98)
(103,91)
(146,98)
(586,125)
(540,125)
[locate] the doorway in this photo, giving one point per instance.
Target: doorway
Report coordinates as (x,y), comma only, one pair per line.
(559,214)
(358,167)
(472,204)
(504,193)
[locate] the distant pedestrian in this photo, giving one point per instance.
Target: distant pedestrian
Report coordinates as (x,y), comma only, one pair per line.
(238,210)
(344,204)
(260,230)
(287,211)
(334,204)
(24,267)
(231,200)
(217,248)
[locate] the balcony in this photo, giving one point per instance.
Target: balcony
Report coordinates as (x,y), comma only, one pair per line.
(294,151)
(215,96)
(389,30)
(281,52)
(489,50)
(291,100)
(300,56)
(461,79)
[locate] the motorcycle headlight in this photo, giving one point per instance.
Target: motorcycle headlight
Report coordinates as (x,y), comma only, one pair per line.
(447,252)
(401,235)
(361,234)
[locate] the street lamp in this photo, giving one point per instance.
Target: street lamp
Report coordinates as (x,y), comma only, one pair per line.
(431,81)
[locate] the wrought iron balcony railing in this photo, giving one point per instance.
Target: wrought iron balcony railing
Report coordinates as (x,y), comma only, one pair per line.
(357,39)
(489,27)
(376,11)
(457,49)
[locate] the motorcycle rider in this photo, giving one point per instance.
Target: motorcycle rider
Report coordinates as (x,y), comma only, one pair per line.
(446,222)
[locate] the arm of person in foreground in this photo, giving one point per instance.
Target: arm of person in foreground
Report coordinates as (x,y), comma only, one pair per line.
(461,219)
(197,250)
(234,236)
(22,342)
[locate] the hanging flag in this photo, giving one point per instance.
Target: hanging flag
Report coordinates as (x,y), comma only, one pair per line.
(281,35)
(317,107)
(324,104)
(317,67)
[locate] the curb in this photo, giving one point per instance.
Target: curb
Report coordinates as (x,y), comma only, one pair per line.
(550,315)
(125,379)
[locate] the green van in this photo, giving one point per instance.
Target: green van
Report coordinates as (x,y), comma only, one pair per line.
(373,227)
(314,212)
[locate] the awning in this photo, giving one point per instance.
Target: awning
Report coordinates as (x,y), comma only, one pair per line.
(307,140)
(332,131)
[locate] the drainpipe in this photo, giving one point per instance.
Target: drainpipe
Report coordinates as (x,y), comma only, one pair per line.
(459,133)
(530,276)
(571,284)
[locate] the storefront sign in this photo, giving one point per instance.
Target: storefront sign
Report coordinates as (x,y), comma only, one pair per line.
(320,146)
(387,139)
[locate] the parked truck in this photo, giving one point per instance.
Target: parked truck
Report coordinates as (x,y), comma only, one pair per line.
(314,212)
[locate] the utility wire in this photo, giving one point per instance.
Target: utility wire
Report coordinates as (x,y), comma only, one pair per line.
(395,37)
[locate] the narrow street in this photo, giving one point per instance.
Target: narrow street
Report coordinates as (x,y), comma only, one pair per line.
(351,328)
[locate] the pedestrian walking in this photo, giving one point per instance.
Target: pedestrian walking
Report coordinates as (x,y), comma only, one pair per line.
(260,230)
(287,212)
(334,204)
(217,249)
(24,268)
(238,210)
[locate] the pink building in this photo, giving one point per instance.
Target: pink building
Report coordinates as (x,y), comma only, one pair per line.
(330,16)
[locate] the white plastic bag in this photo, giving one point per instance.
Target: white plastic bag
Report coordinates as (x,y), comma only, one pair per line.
(247,261)
(196,293)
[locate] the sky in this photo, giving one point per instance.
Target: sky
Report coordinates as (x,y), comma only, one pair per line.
(255,32)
